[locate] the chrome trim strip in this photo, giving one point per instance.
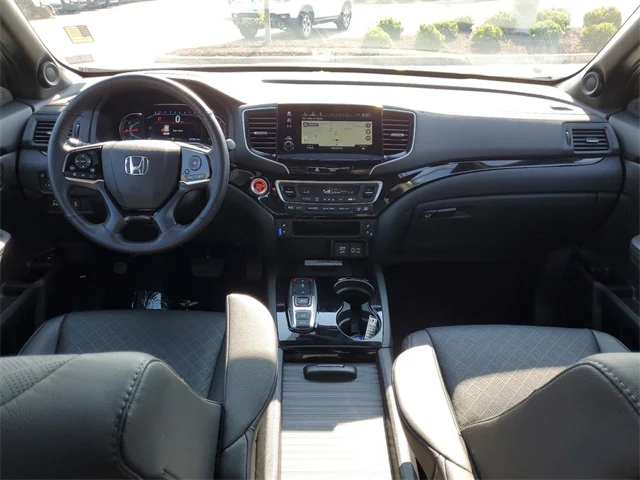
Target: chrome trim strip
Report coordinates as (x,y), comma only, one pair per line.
(80,181)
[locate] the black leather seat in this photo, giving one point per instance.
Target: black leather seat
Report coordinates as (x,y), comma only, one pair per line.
(519,402)
(230,359)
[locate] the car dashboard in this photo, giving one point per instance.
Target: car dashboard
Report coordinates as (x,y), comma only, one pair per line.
(329,166)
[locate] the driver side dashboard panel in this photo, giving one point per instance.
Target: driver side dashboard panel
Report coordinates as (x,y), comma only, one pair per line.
(486,172)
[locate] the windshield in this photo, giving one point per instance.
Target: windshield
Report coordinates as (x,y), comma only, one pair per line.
(508,38)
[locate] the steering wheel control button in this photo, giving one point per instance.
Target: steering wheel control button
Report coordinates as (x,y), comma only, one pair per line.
(83,161)
(195,163)
(259,186)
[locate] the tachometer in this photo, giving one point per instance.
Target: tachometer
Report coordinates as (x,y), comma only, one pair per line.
(132,127)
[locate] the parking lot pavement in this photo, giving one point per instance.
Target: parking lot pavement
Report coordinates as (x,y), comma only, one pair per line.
(133,35)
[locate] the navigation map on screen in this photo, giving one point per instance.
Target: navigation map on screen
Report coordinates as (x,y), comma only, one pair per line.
(327,133)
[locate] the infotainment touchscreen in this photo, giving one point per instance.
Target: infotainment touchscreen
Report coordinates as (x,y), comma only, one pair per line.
(329,129)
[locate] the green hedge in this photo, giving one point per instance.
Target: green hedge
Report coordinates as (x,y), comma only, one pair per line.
(546,34)
(504,20)
(486,39)
(603,15)
(557,15)
(429,38)
(447,28)
(391,26)
(594,37)
(376,38)
(465,24)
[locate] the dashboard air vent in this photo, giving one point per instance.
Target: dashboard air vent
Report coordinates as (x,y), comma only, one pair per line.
(42,132)
(397,132)
(590,140)
(262,130)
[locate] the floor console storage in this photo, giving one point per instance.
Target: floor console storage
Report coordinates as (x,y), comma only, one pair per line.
(333,429)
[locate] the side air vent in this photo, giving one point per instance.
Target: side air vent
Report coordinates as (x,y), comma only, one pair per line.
(590,140)
(262,130)
(42,132)
(397,132)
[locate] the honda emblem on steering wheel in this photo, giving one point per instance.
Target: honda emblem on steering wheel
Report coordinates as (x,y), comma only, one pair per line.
(136,165)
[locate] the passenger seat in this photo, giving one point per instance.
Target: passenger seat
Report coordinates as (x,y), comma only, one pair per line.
(497,401)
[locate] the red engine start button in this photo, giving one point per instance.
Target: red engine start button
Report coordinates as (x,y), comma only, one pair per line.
(259,186)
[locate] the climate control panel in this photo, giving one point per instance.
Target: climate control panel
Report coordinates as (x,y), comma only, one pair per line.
(328,197)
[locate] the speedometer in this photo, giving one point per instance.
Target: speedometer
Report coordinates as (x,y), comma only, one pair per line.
(173,122)
(132,127)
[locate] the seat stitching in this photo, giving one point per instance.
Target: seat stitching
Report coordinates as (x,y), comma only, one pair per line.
(263,408)
(62,322)
(595,337)
(620,383)
(441,378)
(38,382)
(119,461)
(572,367)
(32,337)
(422,441)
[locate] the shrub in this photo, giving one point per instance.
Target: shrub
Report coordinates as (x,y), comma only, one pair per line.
(465,24)
(376,38)
(33,11)
(393,28)
(448,28)
(429,38)
(603,15)
(594,37)
(557,15)
(546,34)
(486,39)
(504,20)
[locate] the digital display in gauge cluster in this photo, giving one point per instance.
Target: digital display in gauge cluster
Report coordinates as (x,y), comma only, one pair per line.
(173,122)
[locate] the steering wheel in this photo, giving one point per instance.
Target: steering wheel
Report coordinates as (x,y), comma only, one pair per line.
(139,180)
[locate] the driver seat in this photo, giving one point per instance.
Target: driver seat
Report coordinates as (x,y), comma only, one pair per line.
(229,359)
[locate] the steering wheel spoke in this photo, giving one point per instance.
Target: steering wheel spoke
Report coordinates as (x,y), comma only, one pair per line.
(164,218)
(115,221)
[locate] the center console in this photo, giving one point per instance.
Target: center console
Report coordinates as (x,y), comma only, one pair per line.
(326,199)
(330,311)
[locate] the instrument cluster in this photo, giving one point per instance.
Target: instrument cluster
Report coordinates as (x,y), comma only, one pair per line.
(167,121)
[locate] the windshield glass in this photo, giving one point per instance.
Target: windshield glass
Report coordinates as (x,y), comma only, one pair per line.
(508,38)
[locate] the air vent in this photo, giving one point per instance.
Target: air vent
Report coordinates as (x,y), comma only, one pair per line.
(262,130)
(397,132)
(589,140)
(42,132)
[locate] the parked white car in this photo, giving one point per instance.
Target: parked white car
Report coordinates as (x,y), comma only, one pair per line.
(298,15)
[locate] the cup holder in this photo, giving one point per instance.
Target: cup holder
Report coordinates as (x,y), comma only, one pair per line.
(356,313)
(355,324)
